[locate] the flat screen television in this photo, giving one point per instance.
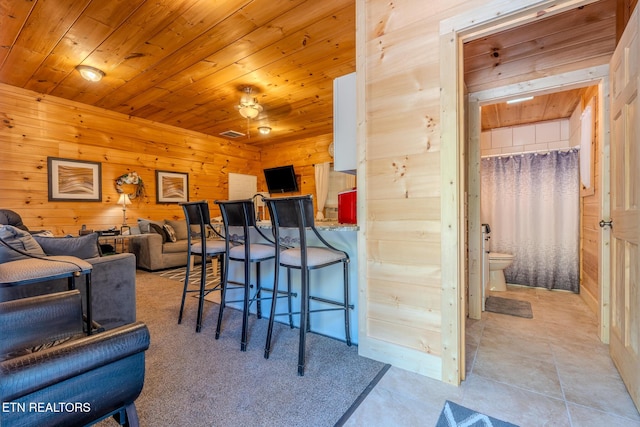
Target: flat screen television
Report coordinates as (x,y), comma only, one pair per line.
(281,179)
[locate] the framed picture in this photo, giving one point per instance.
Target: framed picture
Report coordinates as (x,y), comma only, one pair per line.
(74,180)
(172,187)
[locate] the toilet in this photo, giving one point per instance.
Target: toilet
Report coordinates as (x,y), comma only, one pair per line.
(497,263)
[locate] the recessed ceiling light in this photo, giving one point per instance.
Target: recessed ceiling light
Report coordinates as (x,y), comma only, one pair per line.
(515,101)
(90,73)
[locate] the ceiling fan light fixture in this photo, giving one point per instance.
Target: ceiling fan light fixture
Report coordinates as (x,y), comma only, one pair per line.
(249,111)
(249,107)
(89,73)
(264,130)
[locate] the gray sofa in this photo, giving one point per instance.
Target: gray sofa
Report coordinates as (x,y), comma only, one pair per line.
(152,253)
(113,289)
(162,244)
(113,277)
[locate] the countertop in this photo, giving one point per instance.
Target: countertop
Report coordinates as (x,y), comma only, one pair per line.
(320,225)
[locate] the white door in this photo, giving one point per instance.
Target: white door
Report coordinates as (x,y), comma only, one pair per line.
(625,214)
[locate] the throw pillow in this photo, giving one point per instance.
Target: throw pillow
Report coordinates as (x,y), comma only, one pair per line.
(159,229)
(8,217)
(17,244)
(180,227)
(195,231)
(145,225)
(171,234)
(83,247)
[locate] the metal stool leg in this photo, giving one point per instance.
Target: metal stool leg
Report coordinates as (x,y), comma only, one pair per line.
(203,284)
(184,291)
(245,307)
(272,313)
(258,292)
(289,298)
(224,277)
(304,311)
(346,303)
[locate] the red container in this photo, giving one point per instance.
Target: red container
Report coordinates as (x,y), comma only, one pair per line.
(347,213)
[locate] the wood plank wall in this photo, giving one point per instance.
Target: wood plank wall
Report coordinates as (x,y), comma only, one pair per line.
(35,126)
(590,211)
(303,155)
(624,9)
(405,322)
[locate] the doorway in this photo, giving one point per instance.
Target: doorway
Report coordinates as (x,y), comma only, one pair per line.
(456,157)
(582,78)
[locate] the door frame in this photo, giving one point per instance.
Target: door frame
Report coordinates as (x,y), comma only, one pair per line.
(490,18)
(592,76)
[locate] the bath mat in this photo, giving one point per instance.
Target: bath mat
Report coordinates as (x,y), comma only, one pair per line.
(512,307)
(454,415)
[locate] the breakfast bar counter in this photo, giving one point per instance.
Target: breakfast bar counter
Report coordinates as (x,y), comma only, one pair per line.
(325,282)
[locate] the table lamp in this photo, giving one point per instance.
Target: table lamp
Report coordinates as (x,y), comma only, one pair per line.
(124,200)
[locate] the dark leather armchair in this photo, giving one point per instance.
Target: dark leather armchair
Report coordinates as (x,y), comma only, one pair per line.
(9,217)
(52,374)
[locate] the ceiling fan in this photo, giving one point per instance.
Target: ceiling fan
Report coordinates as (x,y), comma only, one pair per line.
(249,107)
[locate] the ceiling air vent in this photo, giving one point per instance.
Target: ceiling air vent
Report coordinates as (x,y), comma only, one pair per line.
(232,134)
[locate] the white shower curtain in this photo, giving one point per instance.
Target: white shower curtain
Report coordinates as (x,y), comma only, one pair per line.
(322,187)
(531,203)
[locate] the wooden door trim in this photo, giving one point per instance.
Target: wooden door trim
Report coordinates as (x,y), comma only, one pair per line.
(490,18)
(586,77)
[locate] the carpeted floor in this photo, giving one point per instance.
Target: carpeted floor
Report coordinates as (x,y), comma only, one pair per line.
(213,278)
(193,379)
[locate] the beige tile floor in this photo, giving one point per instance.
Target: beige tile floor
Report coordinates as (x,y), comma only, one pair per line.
(551,370)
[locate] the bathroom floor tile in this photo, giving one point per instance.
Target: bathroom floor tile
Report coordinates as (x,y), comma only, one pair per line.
(513,404)
(474,330)
(509,323)
(584,416)
(571,360)
(403,398)
(383,408)
(551,370)
(410,384)
(605,393)
(470,356)
(529,345)
(525,372)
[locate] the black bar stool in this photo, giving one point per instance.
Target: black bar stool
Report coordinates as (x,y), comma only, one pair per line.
(238,216)
(197,214)
(297,212)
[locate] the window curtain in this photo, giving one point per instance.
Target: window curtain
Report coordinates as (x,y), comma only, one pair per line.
(322,187)
(531,203)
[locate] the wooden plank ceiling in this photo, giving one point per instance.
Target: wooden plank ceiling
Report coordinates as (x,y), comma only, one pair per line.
(557,105)
(586,36)
(186,62)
